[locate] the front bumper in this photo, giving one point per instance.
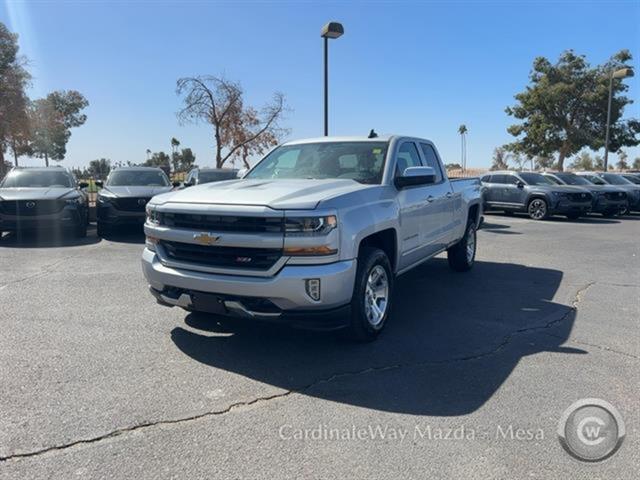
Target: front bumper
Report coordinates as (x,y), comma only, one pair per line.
(285,292)
(111,216)
(563,206)
(605,205)
(68,217)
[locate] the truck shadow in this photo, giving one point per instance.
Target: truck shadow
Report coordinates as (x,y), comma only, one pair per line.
(454,339)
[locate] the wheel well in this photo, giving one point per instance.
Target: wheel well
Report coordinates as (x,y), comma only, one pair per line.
(473,214)
(385,240)
(534,196)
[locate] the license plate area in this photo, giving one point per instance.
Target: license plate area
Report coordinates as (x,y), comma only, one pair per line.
(207,302)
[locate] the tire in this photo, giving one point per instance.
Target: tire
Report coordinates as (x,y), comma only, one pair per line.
(462,255)
(573,216)
(80,230)
(374,268)
(101,230)
(538,209)
(624,210)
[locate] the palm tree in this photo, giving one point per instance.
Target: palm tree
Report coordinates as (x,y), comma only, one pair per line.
(174,153)
(462,130)
(148,154)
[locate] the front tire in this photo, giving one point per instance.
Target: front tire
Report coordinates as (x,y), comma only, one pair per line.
(462,255)
(538,209)
(372,295)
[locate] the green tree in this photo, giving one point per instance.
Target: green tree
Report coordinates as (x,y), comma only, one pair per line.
(583,161)
(622,160)
(564,109)
(175,155)
(52,119)
(500,159)
(14,127)
(542,163)
(636,163)
(187,159)
(160,160)
(462,130)
(99,168)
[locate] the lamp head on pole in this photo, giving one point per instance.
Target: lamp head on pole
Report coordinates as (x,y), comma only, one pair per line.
(332,30)
(623,73)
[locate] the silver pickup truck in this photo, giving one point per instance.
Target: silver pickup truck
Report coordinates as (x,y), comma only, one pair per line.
(313,235)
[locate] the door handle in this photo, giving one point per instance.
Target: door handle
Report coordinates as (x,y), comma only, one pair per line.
(430,198)
(449,195)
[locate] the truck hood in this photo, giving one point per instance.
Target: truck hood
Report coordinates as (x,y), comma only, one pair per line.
(136,191)
(35,193)
(277,194)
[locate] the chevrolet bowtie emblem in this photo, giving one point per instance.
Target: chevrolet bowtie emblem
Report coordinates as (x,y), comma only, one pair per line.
(205,238)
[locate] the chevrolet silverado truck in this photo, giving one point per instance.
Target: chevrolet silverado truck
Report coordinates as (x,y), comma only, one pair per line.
(313,235)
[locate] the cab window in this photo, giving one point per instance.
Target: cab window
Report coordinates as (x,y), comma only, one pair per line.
(407,157)
(432,160)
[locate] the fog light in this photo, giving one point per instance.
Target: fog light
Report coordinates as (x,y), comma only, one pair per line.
(150,243)
(313,288)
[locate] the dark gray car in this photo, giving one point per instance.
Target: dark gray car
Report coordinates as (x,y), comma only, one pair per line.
(607,199)
(534,194)
(632,190)
(43,198)
(125,194)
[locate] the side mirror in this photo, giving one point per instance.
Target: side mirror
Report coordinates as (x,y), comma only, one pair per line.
(99,183)
(519,184)
(187,184)
(83,184)
(242,172)
(415,176)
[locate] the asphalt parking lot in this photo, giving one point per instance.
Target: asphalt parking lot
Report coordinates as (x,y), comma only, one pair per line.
(97,381)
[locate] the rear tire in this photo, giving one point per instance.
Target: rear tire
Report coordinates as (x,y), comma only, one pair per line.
(538,209)
(101,230)
(372,295)
(462,255)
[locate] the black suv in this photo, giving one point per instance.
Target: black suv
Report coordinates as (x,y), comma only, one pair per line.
(125,194)
(208,175)
(534,194)
(43,198)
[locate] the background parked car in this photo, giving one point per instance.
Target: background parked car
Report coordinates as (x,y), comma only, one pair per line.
(632,177)
(632,190)
(534,194)
(607,199)
(125,194)
(43,198)
(208,175)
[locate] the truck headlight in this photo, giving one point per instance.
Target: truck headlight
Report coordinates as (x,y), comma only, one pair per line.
(153,216)
(309,226)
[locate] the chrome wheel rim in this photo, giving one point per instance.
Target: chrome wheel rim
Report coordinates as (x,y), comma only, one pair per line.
(376,295)
(537,209)
(471,244)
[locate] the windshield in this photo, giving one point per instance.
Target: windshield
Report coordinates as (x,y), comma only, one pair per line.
(359,161)
(633,179)
(614,179)
(137,178)
(554,180)
(571,179)
(216,176)
(594,179)
(535,179)
(38,179)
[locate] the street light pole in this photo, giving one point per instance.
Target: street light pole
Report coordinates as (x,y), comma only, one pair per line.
(326,86)
(621,73)
(330,30)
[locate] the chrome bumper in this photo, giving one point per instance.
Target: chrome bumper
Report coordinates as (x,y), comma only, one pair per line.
(286,290)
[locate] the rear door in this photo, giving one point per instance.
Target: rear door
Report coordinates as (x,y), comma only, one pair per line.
(439,227)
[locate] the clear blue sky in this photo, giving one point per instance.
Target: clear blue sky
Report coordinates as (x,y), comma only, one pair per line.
(419,68)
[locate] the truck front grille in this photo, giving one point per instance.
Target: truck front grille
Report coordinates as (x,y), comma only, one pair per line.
(580,197)
(131,204)
(223,257)
(615,195)
(223,223)
(30,208)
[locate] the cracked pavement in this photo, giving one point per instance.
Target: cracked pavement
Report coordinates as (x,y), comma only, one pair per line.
(100,382)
